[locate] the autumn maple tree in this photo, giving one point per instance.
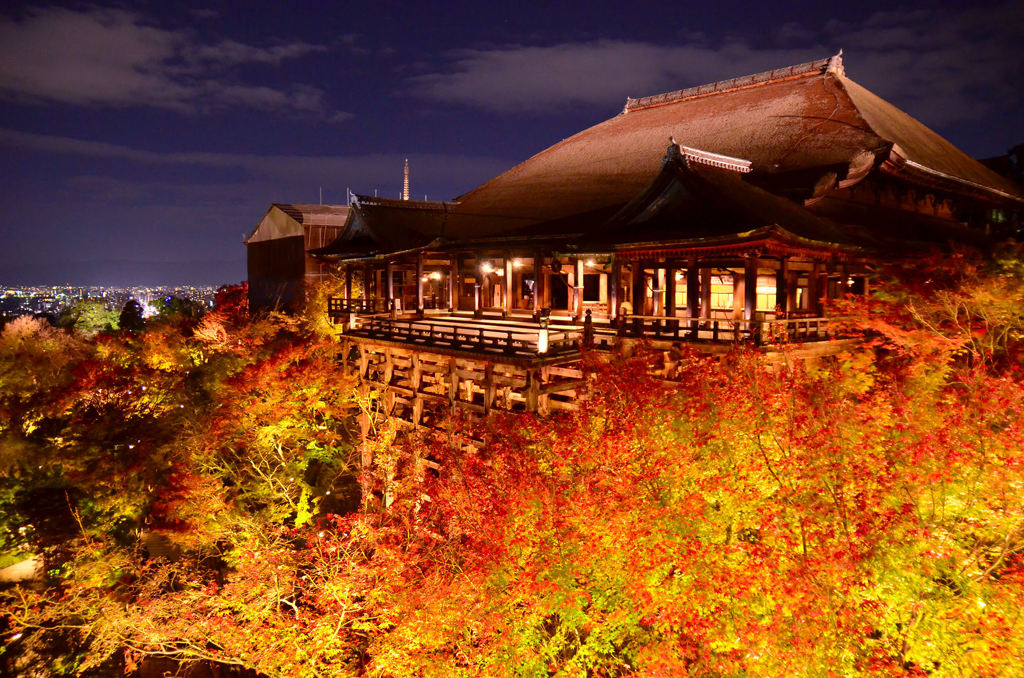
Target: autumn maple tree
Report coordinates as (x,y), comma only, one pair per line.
(860,515)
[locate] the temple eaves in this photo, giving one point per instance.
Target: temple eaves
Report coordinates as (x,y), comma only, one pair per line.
(700,157)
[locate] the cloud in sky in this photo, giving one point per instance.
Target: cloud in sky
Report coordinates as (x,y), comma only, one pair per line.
(951,64)
(287,172)
(536,79)
(113,57)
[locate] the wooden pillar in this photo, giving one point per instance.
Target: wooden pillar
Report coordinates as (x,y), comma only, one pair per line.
(577,284)
(693,289)
(538,277)
(419,282)
(639,293)
(782,285)
(489,390)
(367,279)
(812,302)
(670,291)
(506,301)
(453,382)
(453,283)
(389,287)
(705,292)
(749,287)
(822,291)
(613,289)
(477,307)
(348,283)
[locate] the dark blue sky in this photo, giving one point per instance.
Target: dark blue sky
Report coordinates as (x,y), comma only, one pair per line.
(140,141)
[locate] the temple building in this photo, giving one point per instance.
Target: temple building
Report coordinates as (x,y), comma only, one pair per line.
(727,212)
(277,259)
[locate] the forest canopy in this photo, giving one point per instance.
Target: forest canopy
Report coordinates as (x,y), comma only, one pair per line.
(193,490)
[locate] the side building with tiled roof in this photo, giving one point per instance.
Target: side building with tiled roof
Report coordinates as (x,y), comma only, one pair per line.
(278,265)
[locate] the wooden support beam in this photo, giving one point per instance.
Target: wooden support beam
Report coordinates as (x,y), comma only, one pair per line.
(532,390)
(417,410)
(577,282)
(749,287)
(639,293)
(506,297)
(364,362)
(821,292)
(389,366)
(488,387)
(348,283)
(693,289)
(658,290)
(389,287)
(453,383)
(613,288)
(705,292)
(419,282)
(417,372)
(782,283)
(542,398)
(367,279)
(477,306)
(538,286)
(453,283)
(670,291)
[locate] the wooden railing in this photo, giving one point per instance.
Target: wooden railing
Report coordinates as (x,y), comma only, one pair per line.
(507,339)
(524,337)
(338,307)
(724,330)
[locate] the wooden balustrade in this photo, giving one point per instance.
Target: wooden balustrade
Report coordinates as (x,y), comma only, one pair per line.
(506,339)
(338,307)
(522,337)
(724,330)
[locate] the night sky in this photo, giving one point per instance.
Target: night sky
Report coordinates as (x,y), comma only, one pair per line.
(139,142)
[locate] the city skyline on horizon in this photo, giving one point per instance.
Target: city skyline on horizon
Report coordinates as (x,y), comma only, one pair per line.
(143,144)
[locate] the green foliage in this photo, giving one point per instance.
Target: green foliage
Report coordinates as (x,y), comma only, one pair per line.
(176,307)
(89,317)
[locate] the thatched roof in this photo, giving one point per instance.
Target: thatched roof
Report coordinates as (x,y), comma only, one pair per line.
(807,118)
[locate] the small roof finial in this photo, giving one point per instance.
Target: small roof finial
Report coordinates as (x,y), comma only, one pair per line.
(405,184)
(835,64)
(673,152)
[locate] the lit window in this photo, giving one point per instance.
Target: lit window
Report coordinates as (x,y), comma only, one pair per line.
(721,291)
(766,297)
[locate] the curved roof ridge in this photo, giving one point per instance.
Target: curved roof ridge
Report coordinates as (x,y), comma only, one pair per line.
(832,64)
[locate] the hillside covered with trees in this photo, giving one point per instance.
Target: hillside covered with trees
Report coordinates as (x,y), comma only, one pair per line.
(192,488)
